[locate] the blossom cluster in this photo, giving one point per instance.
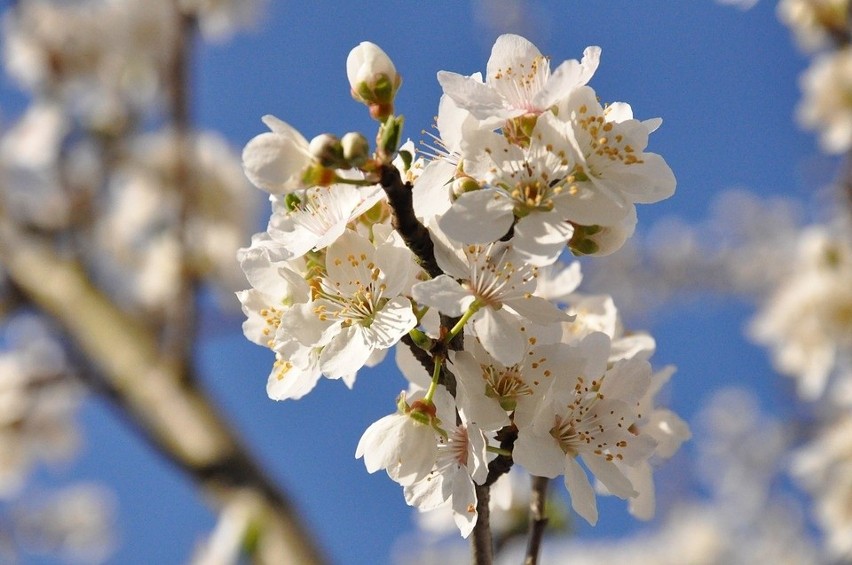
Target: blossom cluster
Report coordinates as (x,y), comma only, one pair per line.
(824,25)
(452,258)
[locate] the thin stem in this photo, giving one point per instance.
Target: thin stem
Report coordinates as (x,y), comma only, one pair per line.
(436,377)
(538,519)
(481,544)
(471,310)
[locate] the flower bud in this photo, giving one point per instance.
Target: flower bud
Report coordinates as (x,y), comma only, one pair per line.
(464,184)
(327,151)
(602,240)
(276,161)
(356,148)
(373,79)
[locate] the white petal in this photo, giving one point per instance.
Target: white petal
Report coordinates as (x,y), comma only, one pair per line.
(643,505)
(289,381)
(274,163)
(347,352)
(568,76)
(472,95)
(541,236)
(444,293)
(464,503)
(431,191)
(481,216)
(380,442)
(538,310)
(500,334)
(540,455)
(427,494)
(301,325)
(627,380)
(390,323)
(582,495)
(284,129)
(610,475)
(510,51)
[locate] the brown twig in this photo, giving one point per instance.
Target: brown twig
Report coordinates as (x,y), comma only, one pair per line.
(181,316)
(538,519)
(414,234)
(482,546)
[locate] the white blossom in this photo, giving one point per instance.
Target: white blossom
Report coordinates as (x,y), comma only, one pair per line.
(403,445)
(276,161)
(357,307)
(589,415)
(500,285)
(825,106)
(518,81)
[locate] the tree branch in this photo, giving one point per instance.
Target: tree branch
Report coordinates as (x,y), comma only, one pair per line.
(482,546)
(173,412)
(414,234)
(181,316)
(538,519)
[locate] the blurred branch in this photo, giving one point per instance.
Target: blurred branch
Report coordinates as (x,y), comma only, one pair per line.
(181,318)
(482,546)
(172,411)
(538,519)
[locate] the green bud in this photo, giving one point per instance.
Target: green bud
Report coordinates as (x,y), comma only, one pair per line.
(356,148)
(464,184)
(407,158)
(390,133)
(327,151)
(583,247)
(420,339)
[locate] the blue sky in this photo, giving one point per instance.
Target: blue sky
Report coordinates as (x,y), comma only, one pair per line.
(723,80)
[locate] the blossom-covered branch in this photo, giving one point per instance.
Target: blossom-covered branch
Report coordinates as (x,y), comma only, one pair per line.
(368,250)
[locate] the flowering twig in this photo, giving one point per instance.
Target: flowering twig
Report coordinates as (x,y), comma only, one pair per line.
(538,519)
(414,234)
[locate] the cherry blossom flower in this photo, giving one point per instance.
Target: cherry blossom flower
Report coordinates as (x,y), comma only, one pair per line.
(518,81)
(612,170)
(806,320)
(589,416)
(356,307)
(403,443)
(488,391)
(276,161)
(499,286)
(530,183)
(825,105)
(318,216)
(461,461)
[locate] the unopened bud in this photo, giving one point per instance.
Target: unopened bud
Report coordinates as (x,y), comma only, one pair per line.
(602,240)
(327,151)
(356,148)
(373,79)
(464,184)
